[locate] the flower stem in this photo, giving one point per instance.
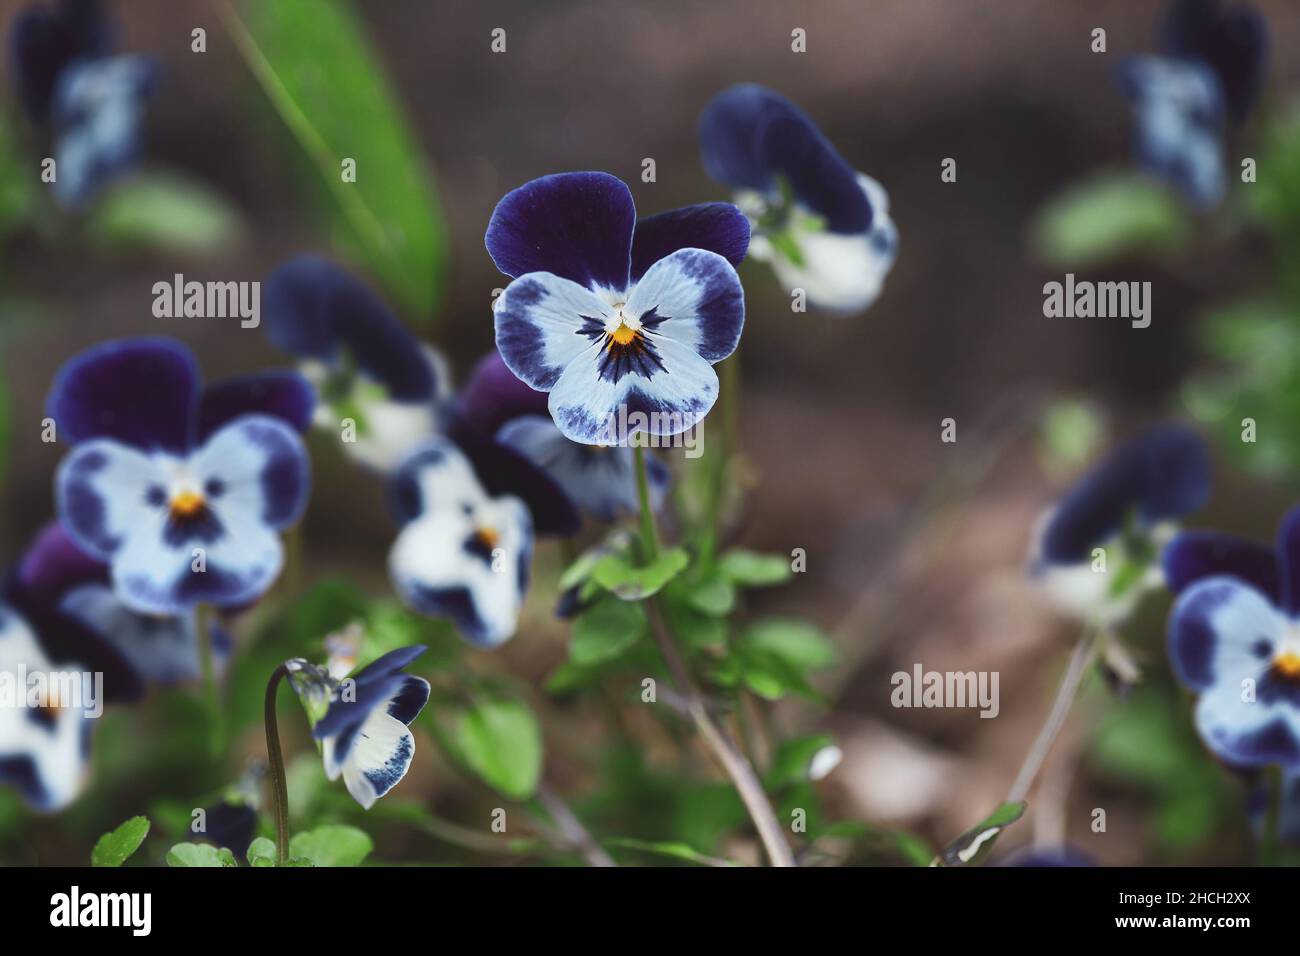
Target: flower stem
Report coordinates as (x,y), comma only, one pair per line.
(208,672)
(724,750)
(649,536)
(1273,816)
(275,759)
(1080,658)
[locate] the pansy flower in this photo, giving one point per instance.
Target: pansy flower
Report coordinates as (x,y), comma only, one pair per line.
(44,739)
(1234,639)
(601,481)
(368,369)
(619,320)
(1212,66)
(181,491)
(461,554)
(822,226)
(491,396)
(1096,552)
(92,101)
(362,722)
(160,648)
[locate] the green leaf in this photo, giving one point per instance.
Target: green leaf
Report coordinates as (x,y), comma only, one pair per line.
(713,595)
(1108,216)
(793,758)
(18,198)
(502,743)
(113,849)
(261,852)
(167,213)
(976,841)
(333,844)
(200,855)
(316,66)
(796,642)
(606,630)
(617,573)
(754,570)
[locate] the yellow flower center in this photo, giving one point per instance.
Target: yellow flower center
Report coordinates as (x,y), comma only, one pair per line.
(623,335)
(488,537)
(1288,665)
(187,504)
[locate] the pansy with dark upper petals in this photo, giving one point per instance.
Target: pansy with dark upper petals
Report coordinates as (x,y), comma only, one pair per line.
(92,101)
(184,508)
(161,649)
(1097,551)
(44,743)
(601,481)
(824,227)
(612,315)
(1213,65)
(363,721)
(366,366)
(461,554)
(1234,638)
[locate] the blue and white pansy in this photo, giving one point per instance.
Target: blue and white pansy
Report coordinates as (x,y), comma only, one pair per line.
(1097,551)
(1234,639)
(93,102)
(181,491)
(461,554)
(381,390)
(600,481)
(824,227)
(362,721)
(620,320)
(46,716)
(1211,70)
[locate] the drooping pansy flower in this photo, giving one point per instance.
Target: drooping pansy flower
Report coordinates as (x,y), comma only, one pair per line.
(461,553)
(368,369)
(823,227)
(182,491)
(601,481)
(1097,551)
(1234,638)
(161,649)
(362,721)
(620,320)
(1212,66)
(92,101)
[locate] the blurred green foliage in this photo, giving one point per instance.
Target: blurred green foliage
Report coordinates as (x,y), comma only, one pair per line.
(318,69)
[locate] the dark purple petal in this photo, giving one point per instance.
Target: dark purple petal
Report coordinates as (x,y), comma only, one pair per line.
(1162,473)
(1235,43)
(749,135)
(312,308)
(141,392)
(503,471)
(68,642)
(44,40)
(716,226)
(280,394)
(391,662)
(494,395)
(1194,555)
(53,564)
(1288,561)
(345,716)
(574,225)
